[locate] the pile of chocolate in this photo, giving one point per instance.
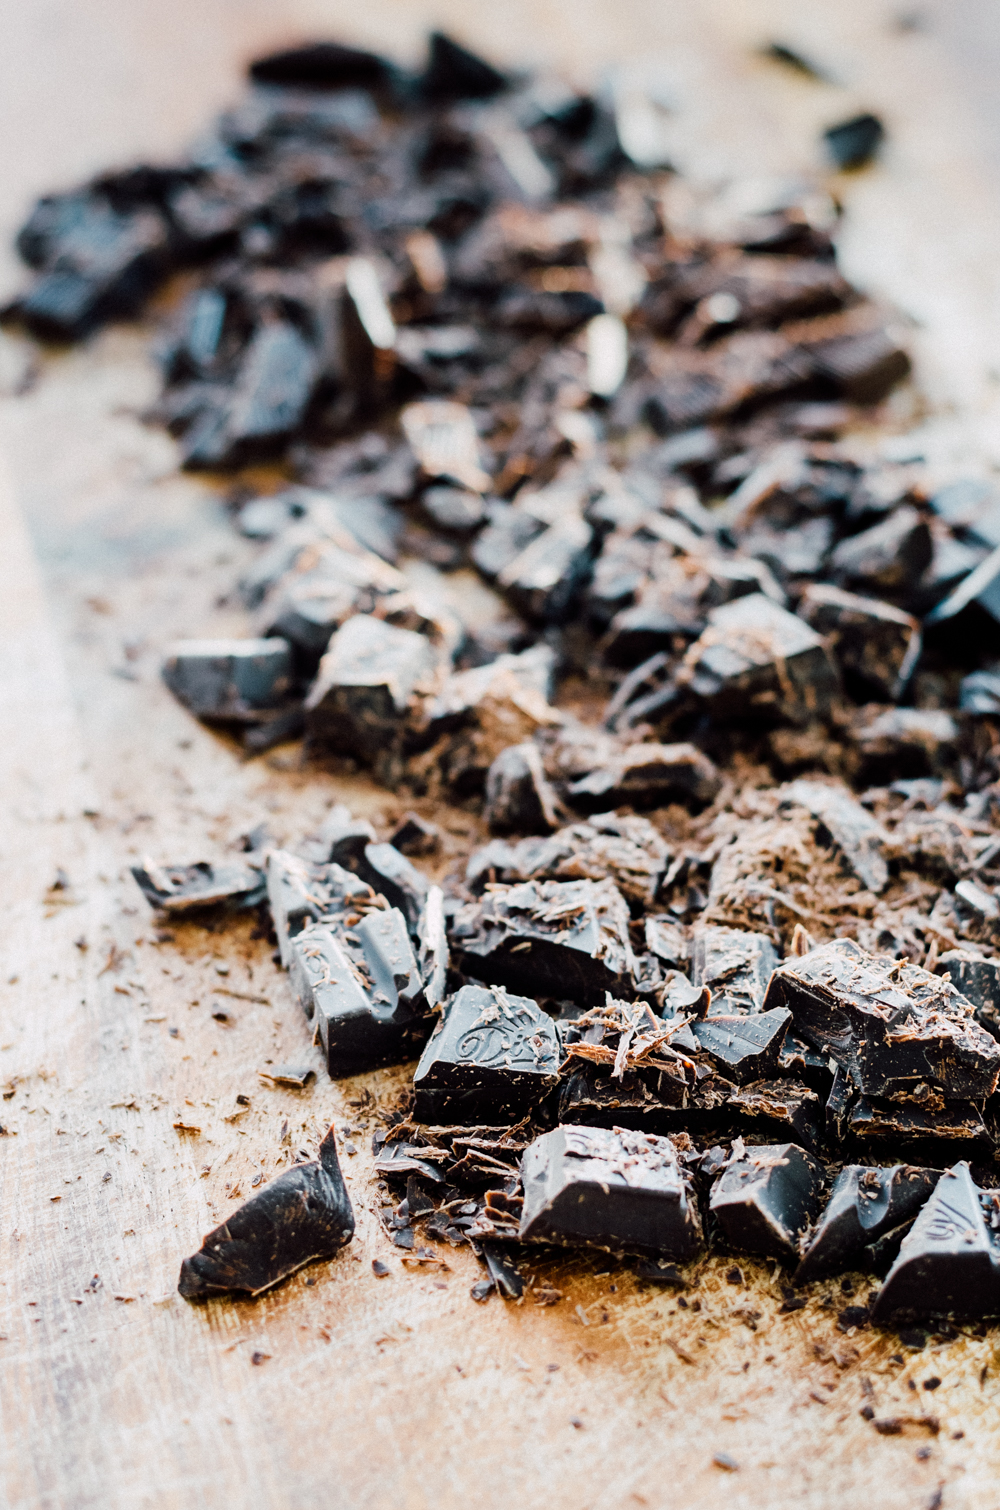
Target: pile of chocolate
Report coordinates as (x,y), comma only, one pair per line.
(733,717)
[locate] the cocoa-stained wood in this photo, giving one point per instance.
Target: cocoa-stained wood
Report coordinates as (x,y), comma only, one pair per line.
(123,1140)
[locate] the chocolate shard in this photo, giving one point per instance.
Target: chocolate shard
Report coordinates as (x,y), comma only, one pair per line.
(744,1047)
(755,659)
(891,1024)
(321,65)
(854,831)
(432,947)
(242,681)
(542,580)
(519,796)
(800,1061)
(324,586)
(363,989)
(854,142)
(302,1216)
(895,743)
(416,836)
(366,680)
(627,850)
(267,403)
(454,73)
(735,965)
(978,980)
(492,1058)
(949,1261)
(549,938)
(609,1188)
(865,1205)
(387,872)
(300,892)
(763,1201)
(775,1108)
(888,556)
(649,775)
(920,1120)
(863,366)
(187,888)
(973,605)
(875,645)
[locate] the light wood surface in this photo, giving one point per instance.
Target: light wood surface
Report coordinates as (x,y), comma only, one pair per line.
(400,1391)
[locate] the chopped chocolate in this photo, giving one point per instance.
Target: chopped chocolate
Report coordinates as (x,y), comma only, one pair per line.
(321,65)
(735,966)
(300,893)
(492,1057)
(648,775)
(627,850)
(551,938)
(978,980)
(609,1188)
(242,681)
(302,1216)
(854,831)
(188,888)
(743,1047)
(366,680)
(853,143)
(775,1108)
(764,1200)
(949,1261)
(890,1023)
(294,1075)
(886,557)
(416,836)
(875,645)
(865,1205)
(904,742)
(519,797)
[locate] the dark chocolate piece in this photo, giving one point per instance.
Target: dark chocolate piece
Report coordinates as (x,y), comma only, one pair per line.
(320,65)
(505,1276)
(949,1261)
(854,142)
(609,1188)
(364,990)
(744,1047)
(978,980)
(764,1200)
(889,556)
(300,893)
(186,888)
(627,850)
(875,645)
(416,836)
(772,1108)
(920,1120)
(492,1058)
(905,742)
(648,775)
(519,797)
(386,871)
(865,1205)
(735,966)
(302,1216)
(366,680)
(454,509)
(454,73)
(892,1024)
(551,938)
(800,1061)
(238,680)
(294,1075)
(854,831)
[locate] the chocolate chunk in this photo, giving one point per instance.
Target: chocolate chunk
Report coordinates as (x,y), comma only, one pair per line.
(454,509)
(949,1262)
(387,872)
(649,775)
(973,606)
(922,1119)
(187,888)
(552,938)
(416,836)
(543,578)
(504,1274)
(743,1047)
(888,556)
(875,645)
(443,439)
(324,586)
(854,142)
(294,1075)
(300,1217)
(364,989)
(492,1058)
(509,532)
(978,980)
(230,680)
(890,1023)
(365,682)
(800,1061)
(865,1205)
(736,967)
(609,1188)
(321,65)
(432,951)
(854,831)
(267,403)
(519,797)
(905,742)
(775,1108)
(626,850)
(454,73)
(763,1201)
(863,366)
(299,893)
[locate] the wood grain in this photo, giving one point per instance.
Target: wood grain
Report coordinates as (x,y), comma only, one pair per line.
(402,1391)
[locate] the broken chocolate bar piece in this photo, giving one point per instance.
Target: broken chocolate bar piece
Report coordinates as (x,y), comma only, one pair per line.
(321,65)
(949,1261)
(763,1201)
(416,836)
(900,743)
(876,646)
(519,796)
(853,143)
(922,1119)
(242,681)
(187,888)
(300,893)
(744,1047)
(386,871)
(854,831)
(775,1108)
(492,1058)
(648,775)
(549,938)
(627,850)
(887,557)
(865,1204)
(890,1023)
(736,967)
(609,1188)
(366,680)
(302,1216)
(364,990)
(978,980)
